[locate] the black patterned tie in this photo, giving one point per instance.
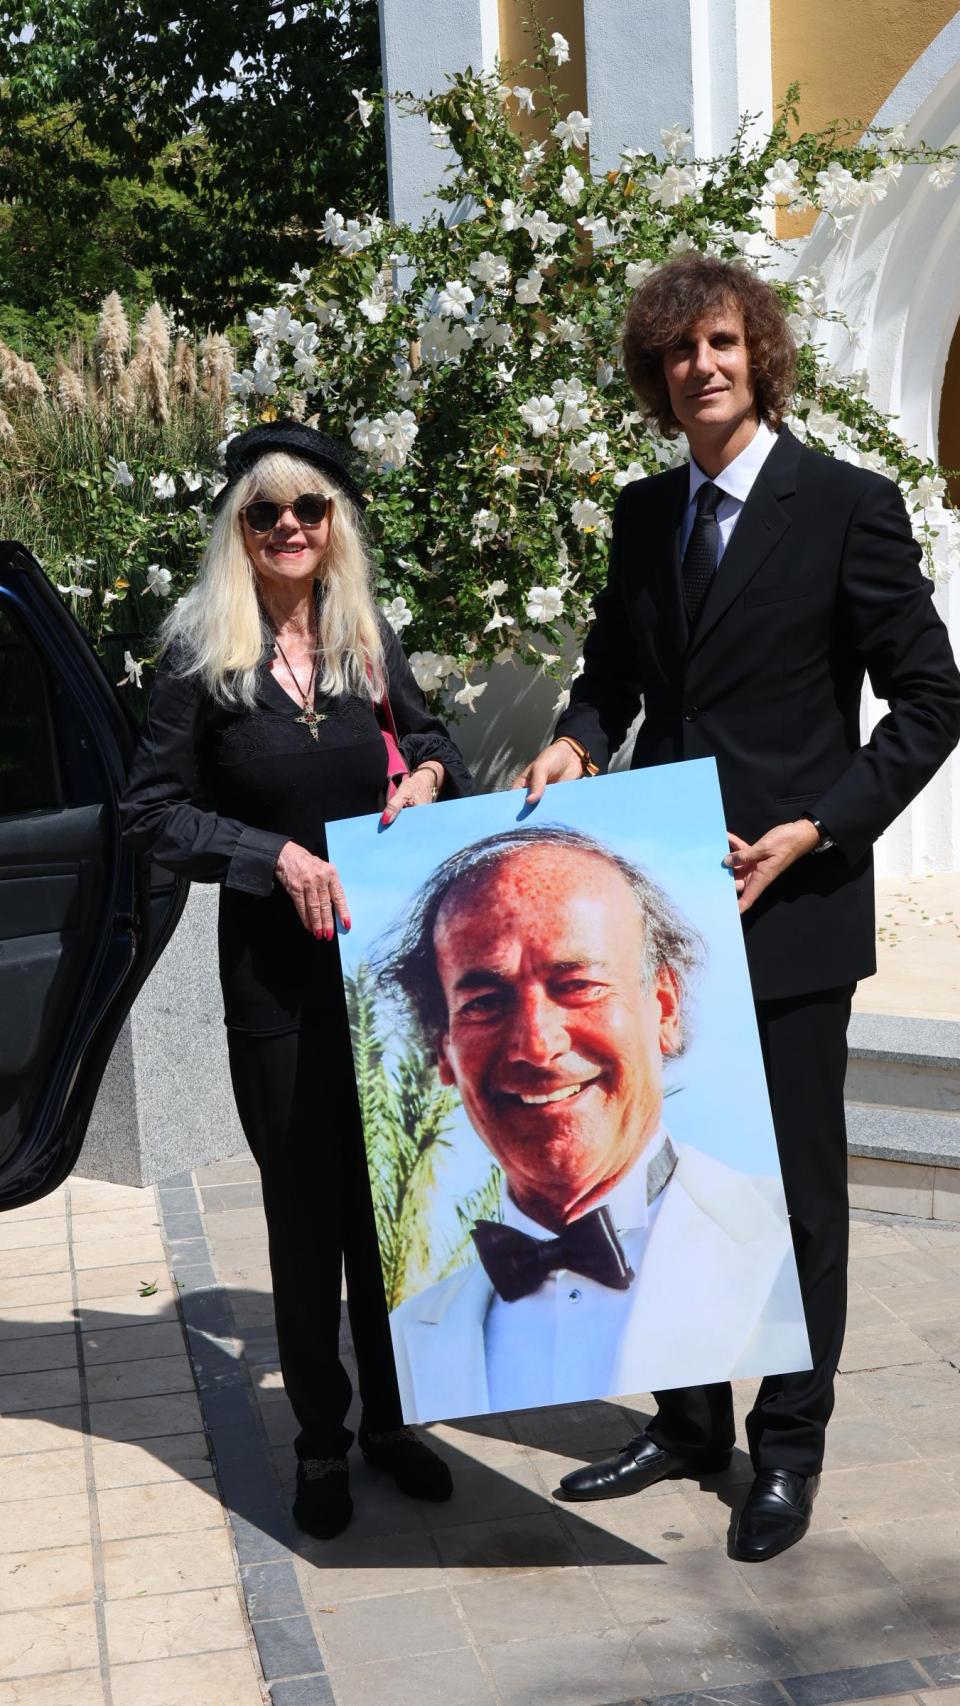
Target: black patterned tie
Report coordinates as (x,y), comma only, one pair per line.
(701,554)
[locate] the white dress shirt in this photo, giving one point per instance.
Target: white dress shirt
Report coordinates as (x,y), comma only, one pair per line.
(564,1339)
(735,481)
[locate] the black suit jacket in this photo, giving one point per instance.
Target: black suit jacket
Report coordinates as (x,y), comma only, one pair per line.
(820,584)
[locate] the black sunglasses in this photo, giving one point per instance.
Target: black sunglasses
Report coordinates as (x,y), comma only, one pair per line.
(262,516)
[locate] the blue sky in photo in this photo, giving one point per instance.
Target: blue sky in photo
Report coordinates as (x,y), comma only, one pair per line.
(670,821)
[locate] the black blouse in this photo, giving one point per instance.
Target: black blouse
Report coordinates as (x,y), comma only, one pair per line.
(215,791)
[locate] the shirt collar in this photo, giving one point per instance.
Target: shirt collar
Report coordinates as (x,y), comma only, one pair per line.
(736,480)
(627,1201)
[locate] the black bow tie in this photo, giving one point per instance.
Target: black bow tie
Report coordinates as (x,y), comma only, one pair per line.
(518,1264)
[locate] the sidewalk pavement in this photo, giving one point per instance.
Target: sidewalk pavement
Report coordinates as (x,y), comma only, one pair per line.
(147,1557)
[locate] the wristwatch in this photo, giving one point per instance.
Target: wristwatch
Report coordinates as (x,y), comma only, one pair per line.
(586,762)
(826,839)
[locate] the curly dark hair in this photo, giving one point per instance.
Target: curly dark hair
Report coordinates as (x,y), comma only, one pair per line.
(405,964)
(677,295)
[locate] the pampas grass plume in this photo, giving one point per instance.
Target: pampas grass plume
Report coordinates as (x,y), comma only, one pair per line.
(112,342)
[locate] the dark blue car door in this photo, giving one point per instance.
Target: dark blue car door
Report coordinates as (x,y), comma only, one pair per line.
(82,919)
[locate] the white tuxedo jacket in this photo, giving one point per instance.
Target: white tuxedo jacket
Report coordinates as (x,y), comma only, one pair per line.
(716,1298)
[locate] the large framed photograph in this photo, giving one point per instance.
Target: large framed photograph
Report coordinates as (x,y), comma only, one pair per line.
(573,1165)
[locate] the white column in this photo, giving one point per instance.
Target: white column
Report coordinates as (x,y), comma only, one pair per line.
(699,63)
(420,44)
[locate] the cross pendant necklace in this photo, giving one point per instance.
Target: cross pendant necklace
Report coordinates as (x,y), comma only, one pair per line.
(311,717)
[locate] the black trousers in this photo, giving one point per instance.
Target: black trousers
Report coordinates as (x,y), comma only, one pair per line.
(804,1042)
(297,1101)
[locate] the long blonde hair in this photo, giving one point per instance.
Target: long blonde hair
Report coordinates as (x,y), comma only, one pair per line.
(218,628)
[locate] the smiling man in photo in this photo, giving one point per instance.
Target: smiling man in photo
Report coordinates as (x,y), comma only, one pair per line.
(551,979)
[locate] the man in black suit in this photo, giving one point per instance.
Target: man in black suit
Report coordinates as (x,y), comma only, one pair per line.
(749,592)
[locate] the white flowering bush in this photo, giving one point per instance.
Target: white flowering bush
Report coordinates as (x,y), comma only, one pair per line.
(473,360)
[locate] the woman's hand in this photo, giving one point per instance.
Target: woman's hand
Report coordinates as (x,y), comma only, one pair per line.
(315,889)
(418,789)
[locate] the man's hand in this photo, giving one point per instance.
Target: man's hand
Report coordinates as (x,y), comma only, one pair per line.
(755,868)
(417,789)
(315,889)
(556,763)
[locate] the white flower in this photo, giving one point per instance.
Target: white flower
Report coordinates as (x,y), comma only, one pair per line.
(214,484)
(164,485)
(192,479)
(588,517)
(468,694)
(600,230)
(397,613)
(368,435)
(496,334)
(580,457)
(511,215)
(672,186)
(528,289)
(400,429)
(561,701)
(328,313)
(454,299)
(800,327)
(942,174)
(896,136)
(121,475)
(783,178)
(364,107)
(540,414)
(676,139)
(159,581)
(571,393)
(540,228)
(534,156)
(490,269)
(498,622)
(353,239)
(559,49)
(605,374)
(523,97)
(110,597)
(823,425)
(929,491)
(572,131)
(74,590)
(544,604)
(571,186)
(626,476)
(427,670)
(133,671)
(636,272)
(838,188)
(373,306)
(567,331)
(332,226)
(485,521)
(496,589)
(889,172)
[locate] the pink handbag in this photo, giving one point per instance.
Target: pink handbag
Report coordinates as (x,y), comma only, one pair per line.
(397,766)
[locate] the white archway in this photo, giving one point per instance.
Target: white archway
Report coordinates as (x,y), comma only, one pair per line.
(896,276)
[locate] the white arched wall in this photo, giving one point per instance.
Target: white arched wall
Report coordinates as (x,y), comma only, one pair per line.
(895,274)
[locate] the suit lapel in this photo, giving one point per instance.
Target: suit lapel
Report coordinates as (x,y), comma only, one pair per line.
(762,524)
(658,542)
(444,1336)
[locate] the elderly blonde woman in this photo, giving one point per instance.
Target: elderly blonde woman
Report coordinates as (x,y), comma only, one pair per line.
(265,722)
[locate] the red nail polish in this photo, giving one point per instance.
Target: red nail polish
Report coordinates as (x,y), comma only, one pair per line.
(319,935)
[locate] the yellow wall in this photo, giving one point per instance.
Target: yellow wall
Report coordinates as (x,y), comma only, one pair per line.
(515,43)
(847,56)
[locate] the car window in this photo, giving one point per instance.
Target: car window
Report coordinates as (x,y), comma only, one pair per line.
(28,767)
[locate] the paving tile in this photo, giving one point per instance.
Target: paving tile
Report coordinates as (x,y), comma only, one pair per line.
(393,1627)
(99,1314)
(578,1670)
(125,1281)
(203,1679)
(98,1196)
(122,1344)
(872,1627)
(18,1234)
(46,1390)
(884,1347)
(707,1649)
(331,1571)
(168,1625)
(62,1637)
(636,1531)
(36,1289)
(143,1377)
(173,1457)
(634,1591)
(303,1691)
(55,1202)
(46,1430)
(47,1259)
(483,1492)
(75,1688)
(741,1694)
(109,1223)
(562,1602)
(917,1552)
(944,1669)
(216,1198)
(513,1544)
(42,1474)
(168,1563)
(163,1508)
(883,1493)
(144,1248)
(236,1223)
(938,1608)
(874,1237)
(35,1320)
(853,1683)
(56,1575)
(141,1418)
(900,1392)
(271,1589)
(28,1524)
(48,1350)
(832,1562)
(287,1646)
(434,1679)
(853,1441)
(239,1169)
(942,1696)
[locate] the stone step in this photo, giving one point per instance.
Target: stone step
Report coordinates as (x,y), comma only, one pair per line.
(903,1115)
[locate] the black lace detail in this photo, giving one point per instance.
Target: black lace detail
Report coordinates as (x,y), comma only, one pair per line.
(265,733)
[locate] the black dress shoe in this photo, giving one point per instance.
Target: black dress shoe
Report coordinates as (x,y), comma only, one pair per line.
(776,1515)
(641,1464)
(323,1505)
(417,1470)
